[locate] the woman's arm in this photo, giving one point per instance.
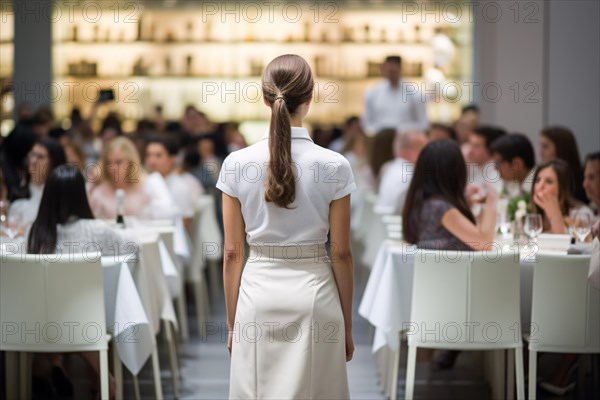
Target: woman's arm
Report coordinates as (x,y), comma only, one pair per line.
(342,262)
(233,258)
(478,237)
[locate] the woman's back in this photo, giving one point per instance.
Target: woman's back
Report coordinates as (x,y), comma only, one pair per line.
(87,235)
(321,177)
(433,235)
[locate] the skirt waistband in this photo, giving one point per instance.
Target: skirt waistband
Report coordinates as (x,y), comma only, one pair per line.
(287,252)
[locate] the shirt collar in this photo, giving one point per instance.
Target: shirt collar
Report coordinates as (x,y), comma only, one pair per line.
(388,85)
(297,133)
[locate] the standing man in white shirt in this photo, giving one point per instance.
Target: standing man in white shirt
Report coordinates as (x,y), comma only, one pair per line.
(397,174)
(393,102)
(161,156)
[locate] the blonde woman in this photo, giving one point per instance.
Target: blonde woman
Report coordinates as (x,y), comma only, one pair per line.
(289,307)
(146,195)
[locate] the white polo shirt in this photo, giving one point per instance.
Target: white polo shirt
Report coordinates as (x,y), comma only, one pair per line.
(322,176)
(400,108)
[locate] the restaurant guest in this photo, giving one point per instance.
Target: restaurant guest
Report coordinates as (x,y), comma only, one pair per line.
(45,155)
(559,142)
(436,213)
(146,195)
(552,196)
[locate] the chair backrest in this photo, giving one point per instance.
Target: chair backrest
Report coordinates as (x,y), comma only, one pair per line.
(52,302)
(208,240)
(565,310)
(465,300)
(375,231)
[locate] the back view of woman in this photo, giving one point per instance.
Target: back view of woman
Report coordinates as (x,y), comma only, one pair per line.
(436,214)
(289,306)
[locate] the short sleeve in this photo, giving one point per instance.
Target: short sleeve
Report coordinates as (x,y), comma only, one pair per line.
(228,177)
(438,207)
(345,180)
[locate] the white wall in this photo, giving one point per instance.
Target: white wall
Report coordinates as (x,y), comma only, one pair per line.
(573,70)
(555,49)
(509,54)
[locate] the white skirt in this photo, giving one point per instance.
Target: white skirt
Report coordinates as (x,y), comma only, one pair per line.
(289,340)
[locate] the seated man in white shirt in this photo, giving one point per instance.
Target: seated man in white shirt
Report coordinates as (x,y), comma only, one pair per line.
(515,161)
(397,174)
(481,168)
(161,155)
(393,102)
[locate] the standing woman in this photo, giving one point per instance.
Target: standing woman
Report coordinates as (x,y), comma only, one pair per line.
(289,307)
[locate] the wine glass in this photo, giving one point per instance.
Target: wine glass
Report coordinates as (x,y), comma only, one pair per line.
(533,226)
(502,223)
(4,204)
(582,225)
(14,225)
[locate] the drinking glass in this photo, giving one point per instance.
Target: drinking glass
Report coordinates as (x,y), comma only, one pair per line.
(533,225)
(581,225)
(502,223)
(4,204)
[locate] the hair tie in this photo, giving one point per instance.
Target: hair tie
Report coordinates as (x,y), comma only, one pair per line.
(280,97)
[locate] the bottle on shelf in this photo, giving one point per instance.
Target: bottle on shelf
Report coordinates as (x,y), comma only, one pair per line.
(417,33)
(120,195)
(167,64)
(307,25)
(189,60)
(190,31)
(383,36)
(139,29)
(152,31)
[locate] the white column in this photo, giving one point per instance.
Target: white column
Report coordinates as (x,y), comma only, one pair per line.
(509,64)
(33,52)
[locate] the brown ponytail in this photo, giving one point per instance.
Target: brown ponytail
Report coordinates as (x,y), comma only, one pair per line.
(287,83)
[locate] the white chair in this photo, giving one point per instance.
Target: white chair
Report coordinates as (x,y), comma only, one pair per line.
(167,231)
(375,233)
(465,301)
(565,310)
(53,304)
(393,226)
(207,249)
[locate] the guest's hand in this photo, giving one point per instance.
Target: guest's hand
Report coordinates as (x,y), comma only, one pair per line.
(548,202)
(349,345)
(474,194)
(491,197)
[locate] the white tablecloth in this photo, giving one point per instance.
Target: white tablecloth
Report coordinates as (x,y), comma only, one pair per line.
(125,316)
(386,302)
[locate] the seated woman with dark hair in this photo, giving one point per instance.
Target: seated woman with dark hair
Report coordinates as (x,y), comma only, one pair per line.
(45,155)
(558,142)
(436,214)
(552,195)
(65,224)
